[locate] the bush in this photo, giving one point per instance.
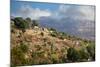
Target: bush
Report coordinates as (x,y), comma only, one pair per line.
(23,30)
(23,47)
(12,30)
(42,34)
(84,55)
(73,55)
(17,56)
(52,29)
(91,51)
(54,58)
(53,34)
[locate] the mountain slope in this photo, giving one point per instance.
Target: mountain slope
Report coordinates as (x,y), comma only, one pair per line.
(41,45)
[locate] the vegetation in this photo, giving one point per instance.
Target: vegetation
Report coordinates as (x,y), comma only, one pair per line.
(34,23)
(21,23)
(73,55)
(46,47)
(91,51)
(84,55)
(24,24)
(23,47)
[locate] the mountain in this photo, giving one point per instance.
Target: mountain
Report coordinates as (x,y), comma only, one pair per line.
(80,28)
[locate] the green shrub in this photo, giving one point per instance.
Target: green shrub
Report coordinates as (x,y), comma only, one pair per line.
(54,58)
(23,47)
(17,56)
(84,55)
(52,29)
(91,50)
(73,55)
(53,34)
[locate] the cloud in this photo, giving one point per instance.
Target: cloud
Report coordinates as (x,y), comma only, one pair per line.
(78,12)
(81,19)
(75,19)
(33,13)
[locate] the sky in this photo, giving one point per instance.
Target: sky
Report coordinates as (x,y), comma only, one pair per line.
(80,18)
(20,8)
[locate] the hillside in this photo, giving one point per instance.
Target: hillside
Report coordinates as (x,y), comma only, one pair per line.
(40,45)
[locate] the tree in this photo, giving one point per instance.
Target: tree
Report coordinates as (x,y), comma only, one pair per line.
(34,23)
(21,23)
(17,21)
(29,21)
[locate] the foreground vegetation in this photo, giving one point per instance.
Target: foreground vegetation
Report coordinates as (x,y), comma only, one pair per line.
(32,45)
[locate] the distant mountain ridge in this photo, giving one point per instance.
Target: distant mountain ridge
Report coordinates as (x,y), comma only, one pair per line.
(84,29)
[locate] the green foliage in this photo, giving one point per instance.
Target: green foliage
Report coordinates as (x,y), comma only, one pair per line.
(62,35)
(17,52)
(34,23)
(47,51)
(18,55)
(23,30)
(53,34)
(23,47)
(54,58)
(73,55)
(91,50)
(24,23)
(28,19)
(21,23)
(84,55)
(52,29)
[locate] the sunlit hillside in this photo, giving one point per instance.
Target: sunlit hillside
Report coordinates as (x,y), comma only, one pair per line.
(32,44)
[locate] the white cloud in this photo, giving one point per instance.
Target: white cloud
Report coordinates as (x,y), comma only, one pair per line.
(83,18)
(78,12)
(33,13)
(88,12)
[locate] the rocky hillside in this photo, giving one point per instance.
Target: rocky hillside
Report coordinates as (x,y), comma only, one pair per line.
(38,45)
